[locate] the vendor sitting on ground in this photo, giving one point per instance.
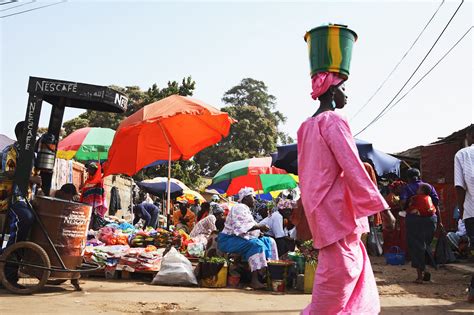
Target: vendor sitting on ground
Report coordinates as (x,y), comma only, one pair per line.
(281,233)
(196,207)
(211,247)
(209,223)
(243,236)
(203,229)
(184,219)
(204,212)
(67,192)
(148,212)
(260,212)
(215,198)
(459,240)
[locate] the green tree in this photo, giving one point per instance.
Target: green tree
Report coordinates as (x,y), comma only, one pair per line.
(255,134)
(155,93)
(76,123)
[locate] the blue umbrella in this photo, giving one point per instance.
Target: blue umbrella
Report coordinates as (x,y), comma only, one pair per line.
(160,188)
(220,187)
(287,158)
(156,163)
(266,197)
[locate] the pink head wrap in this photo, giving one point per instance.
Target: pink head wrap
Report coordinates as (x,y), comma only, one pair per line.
(322,81)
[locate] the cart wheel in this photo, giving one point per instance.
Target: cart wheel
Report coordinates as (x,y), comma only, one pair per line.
(56,281)
(30,278)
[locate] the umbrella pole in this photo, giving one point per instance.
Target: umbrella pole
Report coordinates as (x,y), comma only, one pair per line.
(169,186)
(168,199)
(163,209)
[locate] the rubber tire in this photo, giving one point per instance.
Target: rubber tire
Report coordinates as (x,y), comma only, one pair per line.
(56,281)
(44,277)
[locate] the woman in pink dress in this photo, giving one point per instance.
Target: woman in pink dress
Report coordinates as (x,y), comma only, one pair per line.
(337,196)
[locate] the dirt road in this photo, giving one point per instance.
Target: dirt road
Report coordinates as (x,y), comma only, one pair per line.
(398,296)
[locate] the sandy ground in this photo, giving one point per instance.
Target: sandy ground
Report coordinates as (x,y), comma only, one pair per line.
(445,295)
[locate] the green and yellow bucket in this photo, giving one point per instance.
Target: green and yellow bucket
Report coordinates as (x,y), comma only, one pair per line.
(330,49)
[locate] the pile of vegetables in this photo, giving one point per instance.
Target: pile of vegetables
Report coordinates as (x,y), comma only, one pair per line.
(308,252)
(160,238)
(213,260)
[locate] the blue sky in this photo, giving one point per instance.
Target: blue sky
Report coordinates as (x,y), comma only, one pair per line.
(219,43)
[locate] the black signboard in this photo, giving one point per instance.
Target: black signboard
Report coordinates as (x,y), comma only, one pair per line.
(27,143)
(60,94)
(79,95)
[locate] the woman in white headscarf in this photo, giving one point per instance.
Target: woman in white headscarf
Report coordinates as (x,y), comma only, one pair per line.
(209,226)
(243,236)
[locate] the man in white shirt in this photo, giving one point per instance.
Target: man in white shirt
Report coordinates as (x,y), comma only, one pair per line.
(283,236)
(464,182)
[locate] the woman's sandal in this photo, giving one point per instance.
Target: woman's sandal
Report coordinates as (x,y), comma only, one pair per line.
(418,281)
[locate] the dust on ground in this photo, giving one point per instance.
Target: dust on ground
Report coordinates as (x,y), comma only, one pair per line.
(399,280)
(398,295)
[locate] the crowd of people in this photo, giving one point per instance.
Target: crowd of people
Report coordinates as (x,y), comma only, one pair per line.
(248,229)
(409,212)
(340,202)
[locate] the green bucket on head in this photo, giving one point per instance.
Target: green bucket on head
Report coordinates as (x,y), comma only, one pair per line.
(330,49)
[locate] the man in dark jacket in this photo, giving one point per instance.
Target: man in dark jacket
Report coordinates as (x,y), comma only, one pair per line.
(148,212)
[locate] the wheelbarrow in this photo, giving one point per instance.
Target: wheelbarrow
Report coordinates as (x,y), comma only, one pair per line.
(54,252)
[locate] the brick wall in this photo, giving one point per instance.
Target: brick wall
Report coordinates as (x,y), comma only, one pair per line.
(437,168)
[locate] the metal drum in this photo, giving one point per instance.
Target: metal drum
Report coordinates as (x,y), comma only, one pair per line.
(67,223)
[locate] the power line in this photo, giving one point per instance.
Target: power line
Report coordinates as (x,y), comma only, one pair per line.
(414,72)
(17,6)
(429,71)
(396,66)
(38,8)
(3,3)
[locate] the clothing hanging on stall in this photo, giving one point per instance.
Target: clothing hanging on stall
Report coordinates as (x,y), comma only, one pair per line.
(115,202)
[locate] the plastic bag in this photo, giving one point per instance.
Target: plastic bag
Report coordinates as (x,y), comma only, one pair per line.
(175,270)
(375,242)
(196,249)
(97,222)
(443,252)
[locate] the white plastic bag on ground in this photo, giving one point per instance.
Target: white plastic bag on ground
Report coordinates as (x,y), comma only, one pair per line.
(175,270)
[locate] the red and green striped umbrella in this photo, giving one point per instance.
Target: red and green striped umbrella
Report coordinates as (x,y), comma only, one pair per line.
(257,173)
(85,144)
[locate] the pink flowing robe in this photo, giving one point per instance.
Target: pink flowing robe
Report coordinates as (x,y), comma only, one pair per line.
(337,196)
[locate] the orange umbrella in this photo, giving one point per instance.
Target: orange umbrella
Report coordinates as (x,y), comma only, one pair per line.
(174,128)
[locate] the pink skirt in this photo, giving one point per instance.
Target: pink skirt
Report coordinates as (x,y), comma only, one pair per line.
(344,282)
